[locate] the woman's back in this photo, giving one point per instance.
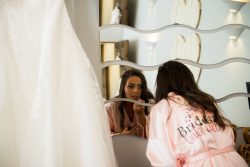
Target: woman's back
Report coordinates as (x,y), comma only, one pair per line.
(181,135)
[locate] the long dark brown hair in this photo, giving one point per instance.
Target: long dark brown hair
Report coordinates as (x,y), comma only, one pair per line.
(176,77)
(145,93)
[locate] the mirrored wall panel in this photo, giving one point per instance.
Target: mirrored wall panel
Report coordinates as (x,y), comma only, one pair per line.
(149,33)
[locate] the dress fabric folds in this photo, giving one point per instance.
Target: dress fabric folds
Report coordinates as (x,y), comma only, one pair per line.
(51,109)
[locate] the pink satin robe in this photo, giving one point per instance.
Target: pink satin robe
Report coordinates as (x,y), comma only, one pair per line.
(113,112)
(179,137)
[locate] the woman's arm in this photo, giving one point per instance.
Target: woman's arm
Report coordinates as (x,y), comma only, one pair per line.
(109,110)
(141,119)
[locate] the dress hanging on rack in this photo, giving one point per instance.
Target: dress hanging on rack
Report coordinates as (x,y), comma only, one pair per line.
(51,109)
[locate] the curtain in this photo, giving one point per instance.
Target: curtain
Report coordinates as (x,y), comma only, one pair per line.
(51,109)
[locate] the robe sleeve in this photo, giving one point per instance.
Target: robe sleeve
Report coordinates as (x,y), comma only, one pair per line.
(109,110)
(158,148)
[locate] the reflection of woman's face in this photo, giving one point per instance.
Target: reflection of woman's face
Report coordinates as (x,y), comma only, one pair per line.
(133,87)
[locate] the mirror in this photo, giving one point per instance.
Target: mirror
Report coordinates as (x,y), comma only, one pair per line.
(153,49)
(151,44)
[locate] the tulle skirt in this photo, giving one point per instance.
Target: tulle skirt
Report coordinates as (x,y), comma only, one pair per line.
(51,109)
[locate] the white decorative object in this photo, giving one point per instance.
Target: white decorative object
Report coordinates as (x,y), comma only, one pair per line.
(188,47)
(187,12)
(116,15)
(152,2)
(151,45)
(235,5)
(235,31)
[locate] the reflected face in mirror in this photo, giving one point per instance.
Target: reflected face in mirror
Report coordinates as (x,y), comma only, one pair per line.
(133,88)
(127,118)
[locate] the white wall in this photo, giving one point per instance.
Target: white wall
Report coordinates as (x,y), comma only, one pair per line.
(84,15)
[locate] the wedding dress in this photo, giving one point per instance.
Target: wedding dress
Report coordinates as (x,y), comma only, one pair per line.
(51,109)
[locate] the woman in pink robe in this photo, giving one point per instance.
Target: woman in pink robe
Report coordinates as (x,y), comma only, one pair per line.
(186,127)
(126,117)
